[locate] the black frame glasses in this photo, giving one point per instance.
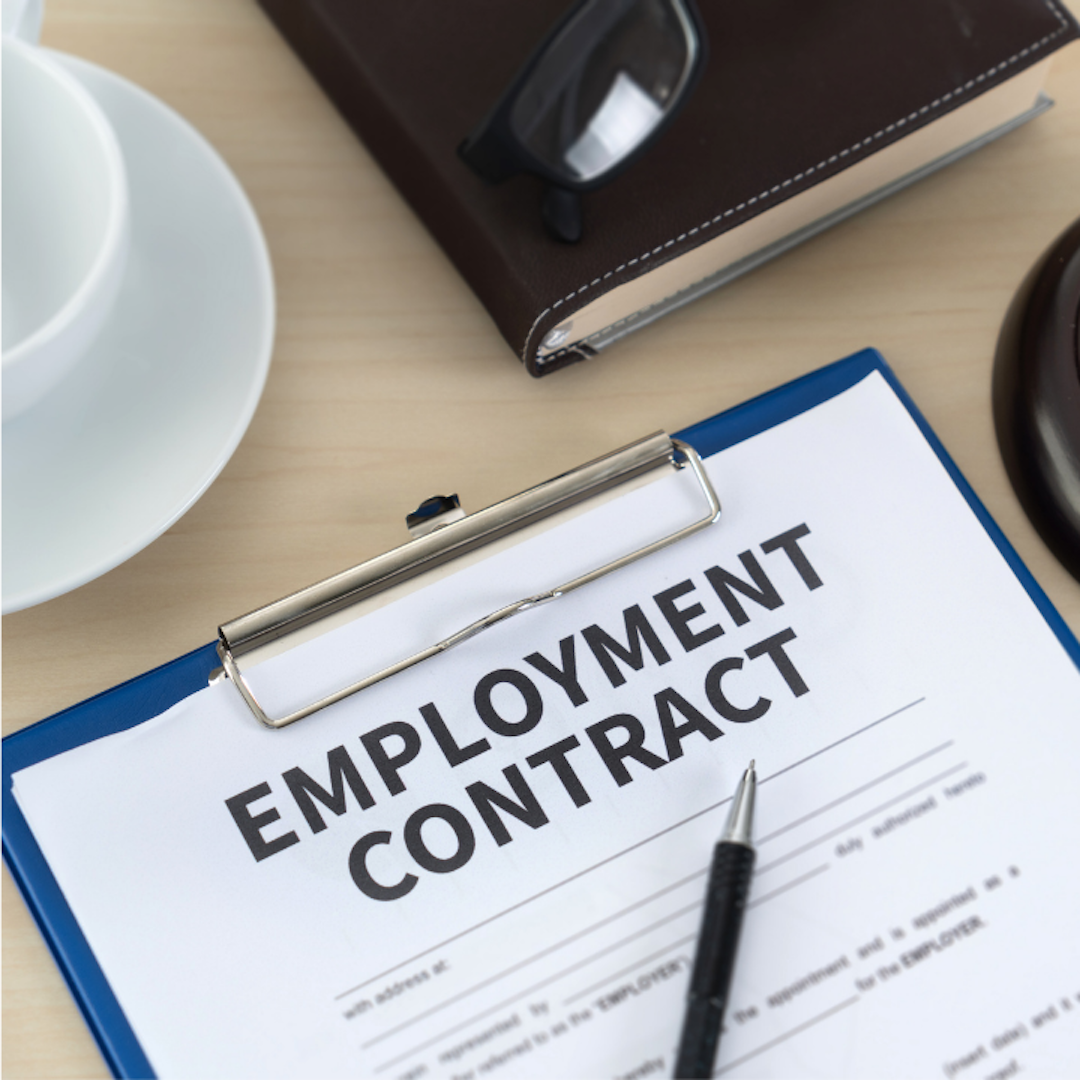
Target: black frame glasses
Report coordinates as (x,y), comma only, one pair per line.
(597,93)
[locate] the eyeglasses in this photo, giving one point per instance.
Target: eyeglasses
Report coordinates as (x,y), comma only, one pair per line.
(595,95)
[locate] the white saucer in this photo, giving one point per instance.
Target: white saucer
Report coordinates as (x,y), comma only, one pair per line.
(129,441)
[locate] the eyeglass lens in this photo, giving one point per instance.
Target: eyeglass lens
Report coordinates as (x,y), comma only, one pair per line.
(605,82)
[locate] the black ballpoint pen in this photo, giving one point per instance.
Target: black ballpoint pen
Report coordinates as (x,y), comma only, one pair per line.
(718,939)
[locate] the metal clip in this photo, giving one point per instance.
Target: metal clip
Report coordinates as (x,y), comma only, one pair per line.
(442,543)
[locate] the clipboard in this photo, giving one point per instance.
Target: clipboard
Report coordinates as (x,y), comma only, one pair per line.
(148,695)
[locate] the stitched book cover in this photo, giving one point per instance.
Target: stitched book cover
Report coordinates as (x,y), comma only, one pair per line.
(805,114)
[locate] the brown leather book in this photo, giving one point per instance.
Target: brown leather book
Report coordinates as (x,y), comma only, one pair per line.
(806,113)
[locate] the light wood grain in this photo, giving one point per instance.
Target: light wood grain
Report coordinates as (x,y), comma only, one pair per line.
(389,381)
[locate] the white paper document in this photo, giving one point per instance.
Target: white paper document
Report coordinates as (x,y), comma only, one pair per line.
(493,864)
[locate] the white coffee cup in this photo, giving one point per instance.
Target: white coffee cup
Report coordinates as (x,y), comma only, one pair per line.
(22,18)
(65,223)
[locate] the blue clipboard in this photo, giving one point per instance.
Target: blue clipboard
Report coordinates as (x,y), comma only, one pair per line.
(148,695)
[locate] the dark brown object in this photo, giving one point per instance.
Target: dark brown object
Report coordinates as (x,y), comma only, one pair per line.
(1037,397)
(794,93)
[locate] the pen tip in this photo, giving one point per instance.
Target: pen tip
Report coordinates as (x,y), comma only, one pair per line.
(740,816)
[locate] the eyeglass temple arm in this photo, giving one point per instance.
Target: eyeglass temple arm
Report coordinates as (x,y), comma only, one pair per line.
(561,213)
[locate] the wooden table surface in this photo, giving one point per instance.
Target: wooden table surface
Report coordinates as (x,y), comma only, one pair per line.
(389,382)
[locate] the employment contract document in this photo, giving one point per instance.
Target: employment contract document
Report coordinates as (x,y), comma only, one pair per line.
(493,864)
